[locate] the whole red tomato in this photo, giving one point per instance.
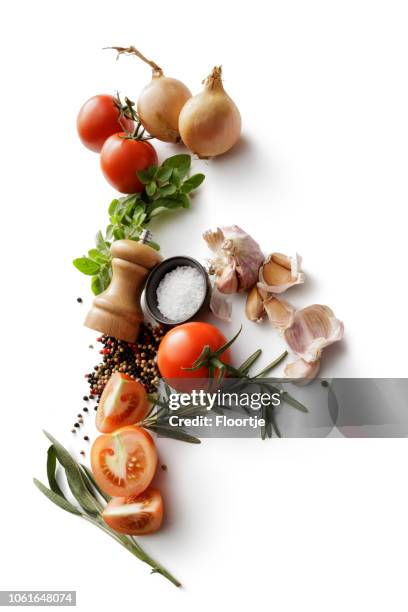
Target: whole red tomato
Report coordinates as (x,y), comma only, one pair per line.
(98,119)
(181,346)
(122,157)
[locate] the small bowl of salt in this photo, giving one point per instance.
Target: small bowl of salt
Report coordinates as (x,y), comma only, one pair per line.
(177,290)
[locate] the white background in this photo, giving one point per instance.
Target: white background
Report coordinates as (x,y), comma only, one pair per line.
(321,169)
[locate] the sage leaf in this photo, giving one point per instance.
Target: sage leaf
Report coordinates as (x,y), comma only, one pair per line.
(86,265)
(151,188)
(163,174)
(57,499)
(74,477)
(51,468)
(95,485)
(173,432)
(167,190)
(181,163)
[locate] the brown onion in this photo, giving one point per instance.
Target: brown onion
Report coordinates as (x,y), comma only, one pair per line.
(210,122)
(160,102)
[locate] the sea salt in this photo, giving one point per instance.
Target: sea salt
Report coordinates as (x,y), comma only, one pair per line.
(180,293)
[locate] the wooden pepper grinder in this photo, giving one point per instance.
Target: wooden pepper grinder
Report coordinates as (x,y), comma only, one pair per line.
(117,312)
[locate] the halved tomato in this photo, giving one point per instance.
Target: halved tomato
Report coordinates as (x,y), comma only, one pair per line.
(135,515)
(123,402)
(124,462)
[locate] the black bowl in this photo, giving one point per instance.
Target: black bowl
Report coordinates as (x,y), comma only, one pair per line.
(154,279)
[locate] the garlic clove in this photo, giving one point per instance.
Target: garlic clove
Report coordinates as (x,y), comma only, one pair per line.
(220,305)
(302,369)
(227,281)
(280,313)
(279,272)
(254,307)
(313,328)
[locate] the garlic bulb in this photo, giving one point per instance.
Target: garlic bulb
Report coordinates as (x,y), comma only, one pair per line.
(313,328)
(160,102)
(210,122)
(237,258)
(220,305)
(279,272)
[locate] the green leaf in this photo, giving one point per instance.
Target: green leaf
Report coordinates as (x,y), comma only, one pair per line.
(184,200)
(118,232)
(97,256)
(167,190)
(57,499)
(151,188)
(164,173)
(143,176)
(86,265)
(74,477)
(91,479)
(112,206)
(101,243)
(158,211)
(192,183)
(176,178)
(51,468)
(167,431)
(180,162)
(96,284)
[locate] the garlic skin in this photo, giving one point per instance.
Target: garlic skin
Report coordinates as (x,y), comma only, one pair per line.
(254,307)
(210,122)
(237,258)
(279,272)
(313,328)
(280,313)
(302,369)
(221,305)
(159,106)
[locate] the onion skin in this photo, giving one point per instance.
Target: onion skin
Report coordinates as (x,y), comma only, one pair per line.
(159,106)
(210,122)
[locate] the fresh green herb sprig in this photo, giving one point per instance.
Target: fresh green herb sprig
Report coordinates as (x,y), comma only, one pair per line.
(157,419)
(90,499)
(166,188)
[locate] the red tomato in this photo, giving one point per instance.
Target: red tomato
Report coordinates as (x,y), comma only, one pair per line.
(98,119)
(181,346)
(135,515)
(124,462)
(122,157)
(123,402)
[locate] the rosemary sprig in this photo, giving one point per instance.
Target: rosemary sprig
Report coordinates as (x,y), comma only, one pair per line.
(91,501)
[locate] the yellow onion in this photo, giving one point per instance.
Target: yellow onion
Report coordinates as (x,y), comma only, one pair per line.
(160,102)
(210,122)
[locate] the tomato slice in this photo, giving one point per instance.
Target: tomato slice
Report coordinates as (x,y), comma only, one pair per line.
(124,462)
(123,402)
(135,515)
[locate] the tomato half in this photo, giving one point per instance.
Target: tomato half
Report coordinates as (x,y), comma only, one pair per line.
(135,515)
(124,462)
(123,402)
(122,157)
(182,345)
(98,119)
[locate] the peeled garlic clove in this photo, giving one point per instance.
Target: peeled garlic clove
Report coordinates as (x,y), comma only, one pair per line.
(210,122)
(227,281)
(279,272)
(313,328)
(220,305)
(280,313)
(234,247)
(302,369)
(254,307)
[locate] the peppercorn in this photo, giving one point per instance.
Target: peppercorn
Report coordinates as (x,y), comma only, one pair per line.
(79,300)
(76,424)
(86,438)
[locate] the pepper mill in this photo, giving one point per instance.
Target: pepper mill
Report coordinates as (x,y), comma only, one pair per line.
(117,312)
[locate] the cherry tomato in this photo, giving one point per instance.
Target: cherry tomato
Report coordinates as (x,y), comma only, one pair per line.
(181,346)
(135,515)
(98,119)
(124,462)
(123,402)
(122,157)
